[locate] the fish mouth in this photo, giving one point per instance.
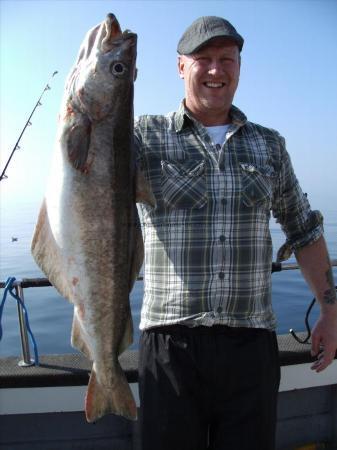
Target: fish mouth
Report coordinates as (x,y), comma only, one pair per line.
(114,35)
(112,25)
(114,29)
(127,39)
(127,34)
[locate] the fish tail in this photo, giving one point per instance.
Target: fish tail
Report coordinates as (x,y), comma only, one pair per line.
(117,399)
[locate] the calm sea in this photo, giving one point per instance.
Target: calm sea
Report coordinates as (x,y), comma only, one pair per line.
(51,316)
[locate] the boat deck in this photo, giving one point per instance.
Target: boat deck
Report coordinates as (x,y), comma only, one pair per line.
(41,408)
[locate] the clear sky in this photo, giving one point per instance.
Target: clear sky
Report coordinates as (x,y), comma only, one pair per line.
(288,75)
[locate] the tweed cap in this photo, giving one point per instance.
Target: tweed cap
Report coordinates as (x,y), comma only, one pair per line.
(203,30)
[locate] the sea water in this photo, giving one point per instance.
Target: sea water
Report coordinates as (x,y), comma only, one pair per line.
(51,316)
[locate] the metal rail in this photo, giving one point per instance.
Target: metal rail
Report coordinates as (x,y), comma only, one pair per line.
(20,285)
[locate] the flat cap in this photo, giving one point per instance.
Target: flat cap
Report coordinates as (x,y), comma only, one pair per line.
(203,30)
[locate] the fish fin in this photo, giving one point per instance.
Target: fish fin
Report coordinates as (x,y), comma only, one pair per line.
(77,340)
(77,141)
(127,338)
(137,250)
(115,399)
(47,254)
(143,190)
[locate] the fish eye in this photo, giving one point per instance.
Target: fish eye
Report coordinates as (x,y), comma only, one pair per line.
(118,68)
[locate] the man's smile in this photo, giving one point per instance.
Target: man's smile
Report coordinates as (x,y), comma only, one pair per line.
(212,84)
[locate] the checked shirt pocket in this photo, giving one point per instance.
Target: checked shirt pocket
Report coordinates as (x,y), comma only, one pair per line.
(256,184)
(184,184)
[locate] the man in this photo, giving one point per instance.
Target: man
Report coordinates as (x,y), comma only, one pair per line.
(209,371)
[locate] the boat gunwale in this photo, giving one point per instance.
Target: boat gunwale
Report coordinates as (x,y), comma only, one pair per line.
(73,369)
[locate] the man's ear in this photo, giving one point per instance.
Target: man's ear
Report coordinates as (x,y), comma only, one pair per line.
(181,66)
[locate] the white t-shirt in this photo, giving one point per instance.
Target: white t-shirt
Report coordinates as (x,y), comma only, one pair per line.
(218,133)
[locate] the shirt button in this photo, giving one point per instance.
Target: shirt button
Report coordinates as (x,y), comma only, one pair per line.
(222,238)
(221,275)
(219,309)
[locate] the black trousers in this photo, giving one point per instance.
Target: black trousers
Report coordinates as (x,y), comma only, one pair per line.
(208,388)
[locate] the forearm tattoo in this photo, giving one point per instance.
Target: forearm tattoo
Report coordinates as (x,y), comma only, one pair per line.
(329,296)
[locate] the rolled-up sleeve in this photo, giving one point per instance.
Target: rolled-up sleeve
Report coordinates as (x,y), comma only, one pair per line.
(291,208)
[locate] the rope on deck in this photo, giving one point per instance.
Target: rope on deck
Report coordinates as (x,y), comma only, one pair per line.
(9,287)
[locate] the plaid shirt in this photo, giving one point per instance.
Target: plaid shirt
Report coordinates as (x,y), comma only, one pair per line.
(208,249)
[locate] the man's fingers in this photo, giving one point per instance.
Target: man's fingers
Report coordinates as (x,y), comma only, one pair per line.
(324,359)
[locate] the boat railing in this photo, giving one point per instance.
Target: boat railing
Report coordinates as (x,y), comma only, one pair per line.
(20,285)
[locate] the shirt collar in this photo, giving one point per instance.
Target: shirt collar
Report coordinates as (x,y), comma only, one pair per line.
(184,118)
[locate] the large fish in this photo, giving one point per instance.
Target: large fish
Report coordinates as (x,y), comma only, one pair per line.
(87,239)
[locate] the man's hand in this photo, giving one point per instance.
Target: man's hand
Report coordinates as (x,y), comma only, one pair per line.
(324,342)
(316,268)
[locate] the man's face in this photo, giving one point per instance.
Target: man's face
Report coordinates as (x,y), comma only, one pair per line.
(211,77)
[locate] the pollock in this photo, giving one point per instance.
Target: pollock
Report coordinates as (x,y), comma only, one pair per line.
(88,239)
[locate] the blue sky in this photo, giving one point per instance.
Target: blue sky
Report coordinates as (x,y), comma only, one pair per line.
(288,75)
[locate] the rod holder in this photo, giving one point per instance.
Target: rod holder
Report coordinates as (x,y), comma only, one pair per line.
(26,359)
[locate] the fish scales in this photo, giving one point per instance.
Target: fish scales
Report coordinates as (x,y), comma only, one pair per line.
(87,239)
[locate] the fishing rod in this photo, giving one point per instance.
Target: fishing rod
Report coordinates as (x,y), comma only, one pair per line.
(28,123)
